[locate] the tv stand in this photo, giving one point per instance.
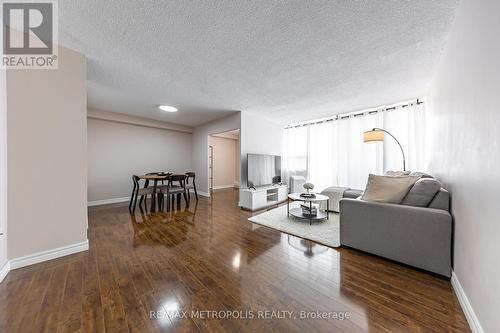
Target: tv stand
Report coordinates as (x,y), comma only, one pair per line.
(263,196)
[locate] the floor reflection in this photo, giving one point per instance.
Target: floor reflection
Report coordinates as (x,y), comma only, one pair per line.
(261,236)
(308,247)
(167,228)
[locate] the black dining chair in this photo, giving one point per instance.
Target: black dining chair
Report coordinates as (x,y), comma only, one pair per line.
(175,188)
(159,173)
(158,193)
(191,175)
(138,191)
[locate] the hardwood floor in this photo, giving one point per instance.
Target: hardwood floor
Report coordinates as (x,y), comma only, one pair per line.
(143,270)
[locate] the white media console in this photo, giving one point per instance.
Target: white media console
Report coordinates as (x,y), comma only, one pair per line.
(262,197)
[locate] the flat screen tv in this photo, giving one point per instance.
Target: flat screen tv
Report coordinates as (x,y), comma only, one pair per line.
(263,170)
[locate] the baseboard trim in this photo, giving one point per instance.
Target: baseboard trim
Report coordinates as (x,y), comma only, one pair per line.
(107,201)
(125,199)
(470,315)
(39,257)
(4,271)
(220,187)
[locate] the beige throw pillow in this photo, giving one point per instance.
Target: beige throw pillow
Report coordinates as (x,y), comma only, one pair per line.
(388,189)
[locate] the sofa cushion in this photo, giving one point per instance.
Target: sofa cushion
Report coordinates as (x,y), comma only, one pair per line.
(422,193)
(441,200)
(352,194)
(388,189)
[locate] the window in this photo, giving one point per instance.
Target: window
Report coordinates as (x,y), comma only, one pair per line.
(332,153)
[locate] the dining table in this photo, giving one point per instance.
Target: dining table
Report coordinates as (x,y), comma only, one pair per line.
(155,178)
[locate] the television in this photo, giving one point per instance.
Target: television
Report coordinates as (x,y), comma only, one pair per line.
(263,170)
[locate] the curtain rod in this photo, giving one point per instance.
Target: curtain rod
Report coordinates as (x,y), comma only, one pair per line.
(418,101)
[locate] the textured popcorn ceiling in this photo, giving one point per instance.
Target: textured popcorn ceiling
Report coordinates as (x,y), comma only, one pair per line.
(286,60)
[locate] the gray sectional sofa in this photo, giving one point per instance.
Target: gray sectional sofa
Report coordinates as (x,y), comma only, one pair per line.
(416,236)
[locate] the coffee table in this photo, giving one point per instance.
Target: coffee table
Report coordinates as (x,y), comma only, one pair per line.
(297,212)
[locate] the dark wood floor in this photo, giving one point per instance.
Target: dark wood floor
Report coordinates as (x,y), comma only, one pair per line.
(210,258)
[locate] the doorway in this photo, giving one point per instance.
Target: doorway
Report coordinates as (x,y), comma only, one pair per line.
(224,160)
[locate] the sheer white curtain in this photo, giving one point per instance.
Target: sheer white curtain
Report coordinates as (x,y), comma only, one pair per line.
(295,150)
(333,153)
(408,126)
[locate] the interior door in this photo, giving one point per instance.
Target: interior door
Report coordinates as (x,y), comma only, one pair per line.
(211,169)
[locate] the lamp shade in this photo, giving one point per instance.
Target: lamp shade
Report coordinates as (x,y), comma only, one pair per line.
(373,136)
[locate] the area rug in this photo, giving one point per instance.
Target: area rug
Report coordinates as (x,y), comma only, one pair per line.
(326,232)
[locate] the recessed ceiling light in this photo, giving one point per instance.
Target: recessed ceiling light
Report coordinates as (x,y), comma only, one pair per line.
(167,108)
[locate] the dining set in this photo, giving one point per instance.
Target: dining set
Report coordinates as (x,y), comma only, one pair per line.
(166,186)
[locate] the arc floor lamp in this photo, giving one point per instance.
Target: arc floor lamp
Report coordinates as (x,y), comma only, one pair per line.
(377,135)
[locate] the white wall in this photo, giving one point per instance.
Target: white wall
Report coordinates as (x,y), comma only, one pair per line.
(200,146)
(116,151)
(47,156)
(258,135)
(237,162)
(464,140)
(3,169)
(225,161)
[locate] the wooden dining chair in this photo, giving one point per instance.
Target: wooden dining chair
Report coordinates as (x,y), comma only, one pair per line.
(138,191)
(191,175)
(176,186)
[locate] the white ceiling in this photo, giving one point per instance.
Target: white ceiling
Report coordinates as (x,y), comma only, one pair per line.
(286,60)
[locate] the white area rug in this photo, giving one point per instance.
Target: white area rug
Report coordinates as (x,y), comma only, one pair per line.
(326,232)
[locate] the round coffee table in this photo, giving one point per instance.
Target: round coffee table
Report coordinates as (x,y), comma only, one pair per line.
(297,212)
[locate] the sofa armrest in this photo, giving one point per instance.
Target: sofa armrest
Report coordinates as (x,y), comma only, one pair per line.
(417,236)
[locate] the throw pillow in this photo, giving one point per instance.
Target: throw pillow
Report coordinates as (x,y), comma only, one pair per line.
(421,174)
(422,193)
(388,189)
(397,173)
